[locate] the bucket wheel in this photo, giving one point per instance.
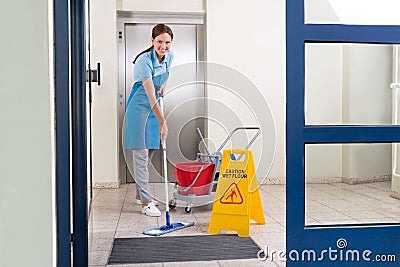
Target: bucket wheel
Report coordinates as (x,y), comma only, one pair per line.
(172,203)
(188,208)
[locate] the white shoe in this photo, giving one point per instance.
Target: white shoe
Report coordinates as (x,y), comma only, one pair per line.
(139,202)
(151,210)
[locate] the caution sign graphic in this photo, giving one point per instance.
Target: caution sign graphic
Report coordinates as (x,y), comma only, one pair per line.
(237,199)
(232,195)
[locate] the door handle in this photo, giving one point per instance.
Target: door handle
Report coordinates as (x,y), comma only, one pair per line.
(94,75)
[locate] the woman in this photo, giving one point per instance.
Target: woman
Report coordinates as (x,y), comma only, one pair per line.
(145,123)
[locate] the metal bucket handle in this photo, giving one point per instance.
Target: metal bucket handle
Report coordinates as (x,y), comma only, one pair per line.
(185,189)
(241,128)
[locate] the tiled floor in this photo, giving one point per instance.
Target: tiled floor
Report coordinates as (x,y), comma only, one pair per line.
(115,214)
(341,203)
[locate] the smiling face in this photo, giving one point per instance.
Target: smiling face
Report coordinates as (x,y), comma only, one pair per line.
(162,44)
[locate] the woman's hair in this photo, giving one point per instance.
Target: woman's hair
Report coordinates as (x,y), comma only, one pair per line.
(157,30)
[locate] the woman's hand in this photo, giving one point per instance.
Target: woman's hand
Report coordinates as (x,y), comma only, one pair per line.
(161,90)
(163,131)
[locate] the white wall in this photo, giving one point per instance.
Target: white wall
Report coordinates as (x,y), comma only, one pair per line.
(367,101)
(105,118)
(367,76)
(319,11)
(161,5)
(26,136)
(249,36)
(323,84)
(323,105)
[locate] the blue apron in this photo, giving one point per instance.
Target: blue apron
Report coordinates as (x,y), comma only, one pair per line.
(141,125)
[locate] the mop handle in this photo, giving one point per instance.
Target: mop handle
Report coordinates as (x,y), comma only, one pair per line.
(160,97)
(164,149)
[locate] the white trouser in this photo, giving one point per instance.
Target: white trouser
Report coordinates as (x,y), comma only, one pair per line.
(141,161)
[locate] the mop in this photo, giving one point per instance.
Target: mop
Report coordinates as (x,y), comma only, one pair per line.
(168,227)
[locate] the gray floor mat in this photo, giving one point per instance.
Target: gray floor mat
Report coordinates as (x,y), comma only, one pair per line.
(182,248)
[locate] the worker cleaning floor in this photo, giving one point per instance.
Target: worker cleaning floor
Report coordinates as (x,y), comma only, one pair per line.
(115,214)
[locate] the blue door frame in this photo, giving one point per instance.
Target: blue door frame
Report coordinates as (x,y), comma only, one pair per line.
(62,95)
(380,239)
(70,83)
(79,134)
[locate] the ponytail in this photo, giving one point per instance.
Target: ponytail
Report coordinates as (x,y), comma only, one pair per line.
(144,51)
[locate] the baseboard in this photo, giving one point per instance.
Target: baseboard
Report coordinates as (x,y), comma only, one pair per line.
(366,179)
(309,180)
(327,180)
(106,185)
(274,180)
(323,180)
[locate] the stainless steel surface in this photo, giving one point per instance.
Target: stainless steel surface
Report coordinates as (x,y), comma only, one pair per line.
(186,18)
(121,92)
(184,111)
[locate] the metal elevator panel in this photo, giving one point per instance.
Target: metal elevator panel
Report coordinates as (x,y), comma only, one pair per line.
(183,105)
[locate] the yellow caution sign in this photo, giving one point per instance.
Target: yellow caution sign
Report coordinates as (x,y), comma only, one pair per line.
(237,199)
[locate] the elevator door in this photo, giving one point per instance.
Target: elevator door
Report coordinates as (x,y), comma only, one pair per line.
(183,112)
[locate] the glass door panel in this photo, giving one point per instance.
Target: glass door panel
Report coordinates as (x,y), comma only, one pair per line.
(348,84)
(356,12)
(349,184)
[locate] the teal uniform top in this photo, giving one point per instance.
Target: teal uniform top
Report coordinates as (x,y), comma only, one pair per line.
(141,125)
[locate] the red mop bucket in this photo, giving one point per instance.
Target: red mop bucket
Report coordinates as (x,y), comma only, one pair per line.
(186,172)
